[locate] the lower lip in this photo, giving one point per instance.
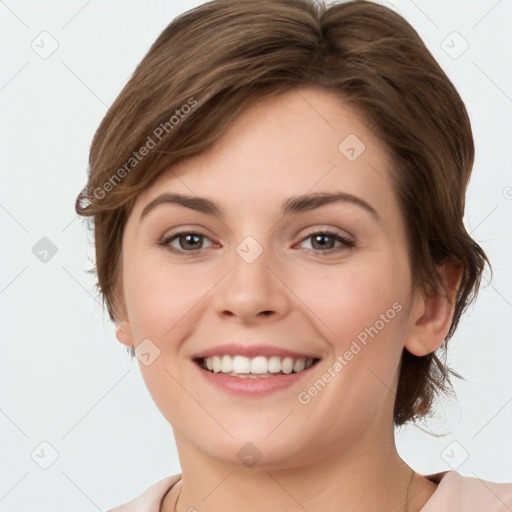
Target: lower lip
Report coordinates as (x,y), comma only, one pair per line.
(247,386)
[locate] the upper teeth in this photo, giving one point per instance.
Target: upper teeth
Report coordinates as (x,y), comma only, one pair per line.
(258,365)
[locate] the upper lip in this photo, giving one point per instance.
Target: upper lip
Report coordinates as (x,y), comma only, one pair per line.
(252,350)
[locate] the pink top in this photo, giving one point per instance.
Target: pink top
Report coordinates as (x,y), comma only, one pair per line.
(455,493)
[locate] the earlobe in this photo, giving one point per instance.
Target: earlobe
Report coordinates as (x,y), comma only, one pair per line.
(433,314)
(124,333)
(123,327)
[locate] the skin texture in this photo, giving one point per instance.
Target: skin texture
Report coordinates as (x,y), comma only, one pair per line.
(339,448)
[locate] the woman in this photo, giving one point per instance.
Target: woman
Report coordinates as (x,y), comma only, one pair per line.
(278,195)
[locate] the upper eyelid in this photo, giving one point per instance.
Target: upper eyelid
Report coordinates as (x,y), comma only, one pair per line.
(329,231)
(317,229)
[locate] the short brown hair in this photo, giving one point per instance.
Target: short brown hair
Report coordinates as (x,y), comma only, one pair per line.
(213,61)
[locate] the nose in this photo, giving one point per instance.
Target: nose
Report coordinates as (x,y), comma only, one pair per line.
(253,290)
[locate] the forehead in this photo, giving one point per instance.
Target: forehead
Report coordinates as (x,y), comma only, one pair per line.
(305,140)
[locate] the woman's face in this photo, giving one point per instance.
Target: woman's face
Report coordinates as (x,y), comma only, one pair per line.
(259,284)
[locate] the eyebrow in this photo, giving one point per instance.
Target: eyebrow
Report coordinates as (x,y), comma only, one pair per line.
(295,204)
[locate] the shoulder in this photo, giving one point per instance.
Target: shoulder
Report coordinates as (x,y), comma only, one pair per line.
(467,494)
(149,500)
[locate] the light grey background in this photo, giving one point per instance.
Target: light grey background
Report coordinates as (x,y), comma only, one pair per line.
(66,380)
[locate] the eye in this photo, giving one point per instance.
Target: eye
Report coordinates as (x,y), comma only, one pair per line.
(191,242)
(323,242)
(188,241)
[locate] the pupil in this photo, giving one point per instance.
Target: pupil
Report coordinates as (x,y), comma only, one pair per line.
(188,237)
(317,237)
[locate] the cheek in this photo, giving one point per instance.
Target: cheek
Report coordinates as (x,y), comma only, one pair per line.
(353,297)
(362,314)
(161,297)
(342,300)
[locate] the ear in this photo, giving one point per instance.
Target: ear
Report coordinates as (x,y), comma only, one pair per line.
(433,314)
(124,332)
(123,327)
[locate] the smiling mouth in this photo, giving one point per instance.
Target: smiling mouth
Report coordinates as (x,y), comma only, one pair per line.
(255,367)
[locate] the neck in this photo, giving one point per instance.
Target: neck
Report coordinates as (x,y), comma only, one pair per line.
(356,480)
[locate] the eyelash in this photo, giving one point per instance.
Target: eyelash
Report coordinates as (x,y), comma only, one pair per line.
(347,243)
